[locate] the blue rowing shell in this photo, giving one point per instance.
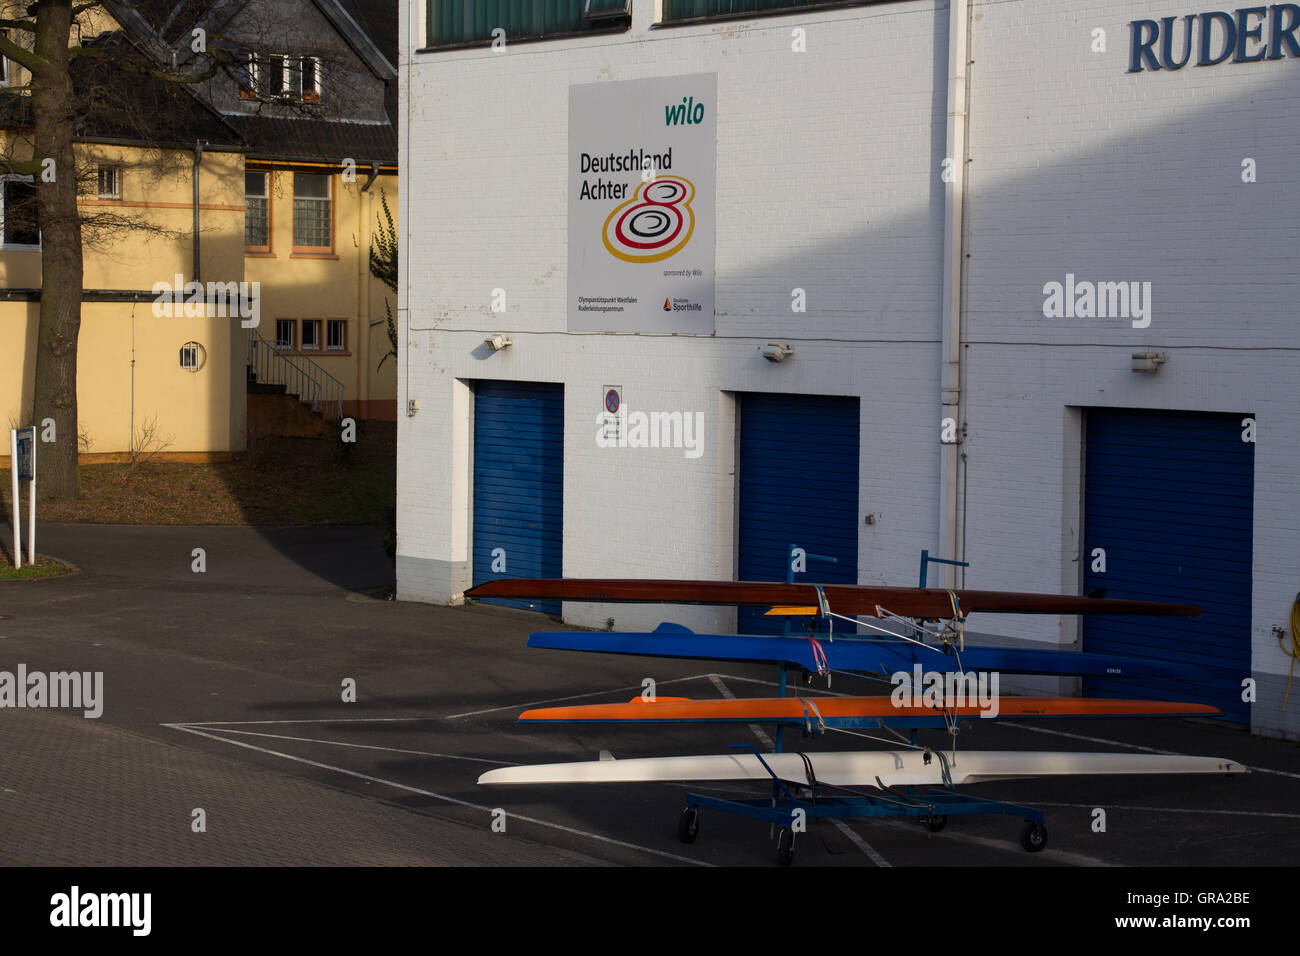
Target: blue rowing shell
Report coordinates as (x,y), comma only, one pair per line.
(860,656)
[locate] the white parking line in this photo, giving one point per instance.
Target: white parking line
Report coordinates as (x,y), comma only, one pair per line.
(1120,743)
(314,720)
(759,732)
(1228,813)
(437,796)
(555,700)
(860,843)
(1056,856)
(340,743)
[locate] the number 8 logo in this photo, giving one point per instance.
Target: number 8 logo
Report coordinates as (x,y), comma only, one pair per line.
(655,223)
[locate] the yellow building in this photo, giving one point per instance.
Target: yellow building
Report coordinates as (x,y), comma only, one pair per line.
(276,200)
(319,300)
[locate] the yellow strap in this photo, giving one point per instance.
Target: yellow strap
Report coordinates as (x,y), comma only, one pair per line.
(792,610)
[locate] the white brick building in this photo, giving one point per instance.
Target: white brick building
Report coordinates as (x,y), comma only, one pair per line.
(829,179)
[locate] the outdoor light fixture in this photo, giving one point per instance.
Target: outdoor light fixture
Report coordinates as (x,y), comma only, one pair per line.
(776,352)
(1149,361)
(498,342)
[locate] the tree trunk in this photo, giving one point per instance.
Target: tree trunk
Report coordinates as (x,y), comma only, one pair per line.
(61,258)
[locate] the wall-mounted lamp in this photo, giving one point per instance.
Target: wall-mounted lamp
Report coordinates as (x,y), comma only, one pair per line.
(776,352)
(1149,362)
(498,342)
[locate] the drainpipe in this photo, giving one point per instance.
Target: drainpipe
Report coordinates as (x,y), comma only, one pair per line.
(952,396)
(198,160)
(374,174)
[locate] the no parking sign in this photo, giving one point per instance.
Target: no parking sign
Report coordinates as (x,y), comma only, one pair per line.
(611,402)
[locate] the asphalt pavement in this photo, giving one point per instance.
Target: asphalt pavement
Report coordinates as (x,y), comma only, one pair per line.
(226,738)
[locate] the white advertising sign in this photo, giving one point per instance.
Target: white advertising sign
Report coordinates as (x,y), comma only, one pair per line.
(642,163)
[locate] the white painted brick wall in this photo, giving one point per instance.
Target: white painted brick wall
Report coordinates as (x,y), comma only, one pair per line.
(827,181)
(1079,166)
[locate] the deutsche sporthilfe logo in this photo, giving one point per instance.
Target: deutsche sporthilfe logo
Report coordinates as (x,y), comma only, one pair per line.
(655,223)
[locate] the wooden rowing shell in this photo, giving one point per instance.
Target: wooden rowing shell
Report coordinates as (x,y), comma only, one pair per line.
(851,600)
(844,712)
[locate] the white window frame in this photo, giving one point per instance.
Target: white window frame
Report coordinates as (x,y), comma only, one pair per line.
(254,80)
(196,352)
(329,323)
(315,80)
(293,335)
(266,195)
(15,246)
(261,68)
(116,170)
(302,335)
(328,200)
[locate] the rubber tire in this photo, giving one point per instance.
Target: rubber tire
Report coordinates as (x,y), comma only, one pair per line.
(688,825)
(1034,837)
(935,823)
(784,846)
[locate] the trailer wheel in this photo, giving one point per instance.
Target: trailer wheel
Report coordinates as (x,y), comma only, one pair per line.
(784,846)
(1033,837)
(935,823)
(688,825)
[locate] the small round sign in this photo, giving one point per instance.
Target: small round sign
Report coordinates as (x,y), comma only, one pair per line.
(611,401)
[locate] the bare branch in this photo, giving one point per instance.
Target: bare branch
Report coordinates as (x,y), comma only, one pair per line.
(30,167)
(21,55)
(126,66)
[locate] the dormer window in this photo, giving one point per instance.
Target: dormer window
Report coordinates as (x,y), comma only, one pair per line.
(280,76)
(246,76)
(309,79)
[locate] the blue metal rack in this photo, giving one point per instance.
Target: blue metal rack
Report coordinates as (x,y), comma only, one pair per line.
(786,810)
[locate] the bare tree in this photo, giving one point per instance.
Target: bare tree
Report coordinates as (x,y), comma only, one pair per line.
(77,79)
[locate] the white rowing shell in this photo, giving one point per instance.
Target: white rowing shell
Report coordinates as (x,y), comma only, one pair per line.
(894,768)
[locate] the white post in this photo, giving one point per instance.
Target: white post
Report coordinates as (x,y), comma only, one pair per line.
(18,521)
(31,506)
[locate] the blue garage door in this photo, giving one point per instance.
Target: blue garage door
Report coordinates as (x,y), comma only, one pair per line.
(1170,497)
(518,483)
(798,486)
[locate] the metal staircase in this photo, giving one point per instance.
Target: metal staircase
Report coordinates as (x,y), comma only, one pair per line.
(298,375)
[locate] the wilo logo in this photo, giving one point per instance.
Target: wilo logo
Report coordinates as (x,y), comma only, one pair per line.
(195,300)
(74,908)
(933,689)
(624,429)
(687,111)
(57,689)
(1101,300)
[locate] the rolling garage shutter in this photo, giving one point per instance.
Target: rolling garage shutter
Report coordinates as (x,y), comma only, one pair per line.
(1170,497)
(798,486)
(519,483)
